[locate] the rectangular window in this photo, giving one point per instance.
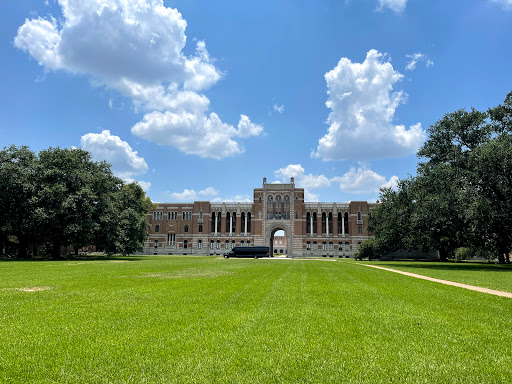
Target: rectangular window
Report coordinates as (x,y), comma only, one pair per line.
(200,228)
(359,230)
(186,228)
(157,228)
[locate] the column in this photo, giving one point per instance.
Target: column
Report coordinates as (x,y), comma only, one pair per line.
(216,222)
(343,224)
(327,223)
(230,224)
(311,224)
(246,224)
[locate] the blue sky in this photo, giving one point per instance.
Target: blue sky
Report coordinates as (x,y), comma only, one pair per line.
(199,100)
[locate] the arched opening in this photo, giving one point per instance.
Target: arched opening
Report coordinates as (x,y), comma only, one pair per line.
(279,240)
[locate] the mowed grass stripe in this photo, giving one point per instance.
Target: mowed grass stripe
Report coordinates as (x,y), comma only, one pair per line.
(174,319)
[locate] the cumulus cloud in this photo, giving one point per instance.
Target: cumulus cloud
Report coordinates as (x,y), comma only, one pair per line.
(234,199)
(311,197)
(209,191)
(124,160)
(415,58)
(303,180)
(363,105)
(364,181)
(136,47)
(395,5)
(192,195)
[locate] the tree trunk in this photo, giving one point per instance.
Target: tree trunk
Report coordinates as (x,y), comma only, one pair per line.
(56,249)
(443,254)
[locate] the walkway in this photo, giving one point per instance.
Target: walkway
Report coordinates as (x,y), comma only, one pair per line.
(447,282)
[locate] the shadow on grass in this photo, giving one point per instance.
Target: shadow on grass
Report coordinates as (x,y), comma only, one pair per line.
(450,266)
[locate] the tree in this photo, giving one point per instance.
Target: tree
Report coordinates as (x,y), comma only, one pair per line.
(18,208)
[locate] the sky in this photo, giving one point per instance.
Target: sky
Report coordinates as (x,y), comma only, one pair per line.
(199,100)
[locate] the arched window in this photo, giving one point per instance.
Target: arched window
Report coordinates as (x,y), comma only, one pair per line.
(248,222)
(242,222)
(218,244)
(213,223)
(315,223)
(296,215)
(156,243)
(340,246)
(157,228)
(227,244)
(331,247)
(233,244)
(296,200)
(329,221)
(211,244)
(259,199)
(359,217)
(233,227)
(346,224)
(242,243)
(347,246)
(168,215)
(315,246)
(278,200)
(308,245)
(287,200)
(200,215)
(185,244)
(270,200)
(324,246)
(340,218)
(308,223)
(228,216)
(248,243)
(200,244)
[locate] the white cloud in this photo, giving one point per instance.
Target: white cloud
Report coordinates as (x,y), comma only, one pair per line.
(395,5)
(124,160)
(302,180)
(279,109)
(136,48)
(507,4)
(363,104)
(186,195)
(210,191)
(234,199)
(363,181)
(415,58)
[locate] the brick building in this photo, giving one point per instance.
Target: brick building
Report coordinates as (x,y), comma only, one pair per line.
(310,229)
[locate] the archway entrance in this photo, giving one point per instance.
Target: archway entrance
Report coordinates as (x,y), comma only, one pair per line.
(278,238)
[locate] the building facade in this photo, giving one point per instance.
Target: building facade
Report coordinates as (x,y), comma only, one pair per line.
(310,229)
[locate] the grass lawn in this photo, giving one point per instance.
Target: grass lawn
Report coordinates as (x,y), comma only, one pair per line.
(493,276)
(197,319)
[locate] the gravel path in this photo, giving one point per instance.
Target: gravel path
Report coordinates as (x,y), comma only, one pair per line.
(447,282)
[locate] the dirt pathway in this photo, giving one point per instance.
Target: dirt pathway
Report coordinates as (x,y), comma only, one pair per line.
(447,282)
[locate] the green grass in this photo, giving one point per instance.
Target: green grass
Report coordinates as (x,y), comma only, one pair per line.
(211,320)
(493,276)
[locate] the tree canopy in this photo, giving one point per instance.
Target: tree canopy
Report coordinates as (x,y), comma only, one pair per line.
(60,197)
(462,193)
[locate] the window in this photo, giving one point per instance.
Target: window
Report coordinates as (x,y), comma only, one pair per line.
(248,243)
(156,243)
(227,244)
(186,228)
(324,246)
(359,230)
(185,244)
(359,218)
(168,215)
(157,228)
(315,246)
(211,244)
(308,245)
(242,243)
(200,228)
(158,215)
(259,199)
(296,200)
(340,246)
(183,215)
(248,222)
(233,245)
(200,244)
(331,246)
(296,215)
(201,215)
(218,244)
(347,246)
(323,222)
